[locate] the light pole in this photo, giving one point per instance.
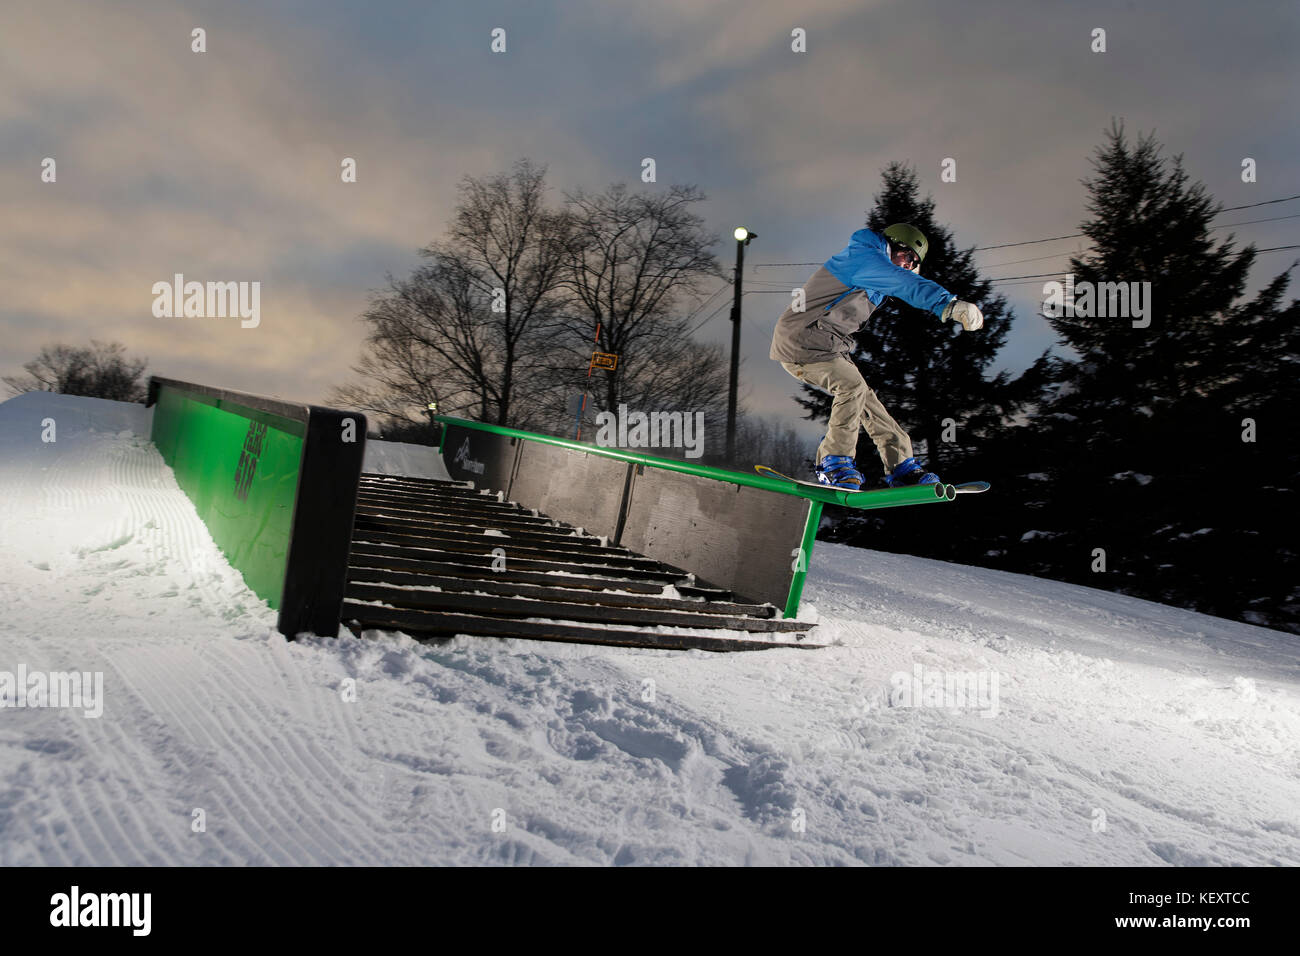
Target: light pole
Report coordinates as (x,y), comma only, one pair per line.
(743,238)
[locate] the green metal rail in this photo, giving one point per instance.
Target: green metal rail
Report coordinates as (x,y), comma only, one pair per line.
(885,498)
(819,497)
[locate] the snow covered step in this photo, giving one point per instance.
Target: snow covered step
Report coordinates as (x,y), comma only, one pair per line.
(411,481)
(561,608)
(484,527)
(486,571)
(556,592)
(515,521)
(485,545)
(446,504)
(435,553)
(427,488)
(419,568)
(435,624)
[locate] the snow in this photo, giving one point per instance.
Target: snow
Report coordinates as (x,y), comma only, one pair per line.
(1126,732)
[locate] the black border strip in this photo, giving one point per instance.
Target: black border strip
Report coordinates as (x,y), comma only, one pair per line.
(325,506)
(295,410)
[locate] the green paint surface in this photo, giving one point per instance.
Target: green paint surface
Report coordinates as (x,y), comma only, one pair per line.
(203,440)
(806,548)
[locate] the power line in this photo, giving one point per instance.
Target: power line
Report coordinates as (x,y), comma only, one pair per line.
(1076,235)
(1036,275)
(1251,222)
(703,305)
(1045,275)
(724,305)
(1252,205)
(1012,262)
(727,304)
(1226,225)
(1016,262)
(1022,282)
(1028,242)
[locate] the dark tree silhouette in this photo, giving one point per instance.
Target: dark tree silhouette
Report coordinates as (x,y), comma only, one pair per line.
(472,327)
(636,259)
(100,370)
(1178,427)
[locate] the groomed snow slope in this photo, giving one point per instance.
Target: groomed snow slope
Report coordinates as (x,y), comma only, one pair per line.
(1181,729)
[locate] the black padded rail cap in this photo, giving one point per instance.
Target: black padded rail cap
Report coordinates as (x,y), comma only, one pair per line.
(297,411)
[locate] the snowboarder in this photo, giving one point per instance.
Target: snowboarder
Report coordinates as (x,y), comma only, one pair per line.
(814,345)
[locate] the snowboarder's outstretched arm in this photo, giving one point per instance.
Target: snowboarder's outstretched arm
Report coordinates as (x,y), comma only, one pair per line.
(865,264)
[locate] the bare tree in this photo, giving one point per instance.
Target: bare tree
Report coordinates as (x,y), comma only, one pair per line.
(427,343)
(101,370)
(471,326)
(632,261)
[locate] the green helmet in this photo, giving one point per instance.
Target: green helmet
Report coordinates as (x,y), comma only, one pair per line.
(906,234)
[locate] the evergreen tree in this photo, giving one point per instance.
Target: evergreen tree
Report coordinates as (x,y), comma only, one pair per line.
(1160,459)
(1149,427)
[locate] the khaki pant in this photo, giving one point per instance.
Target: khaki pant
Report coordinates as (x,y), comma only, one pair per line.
(855,406)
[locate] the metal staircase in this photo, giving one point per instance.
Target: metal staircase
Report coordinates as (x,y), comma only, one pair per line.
(437,558)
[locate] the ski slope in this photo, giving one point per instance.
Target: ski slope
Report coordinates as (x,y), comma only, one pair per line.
(1124,732)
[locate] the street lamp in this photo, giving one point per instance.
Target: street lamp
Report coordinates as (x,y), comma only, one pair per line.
(743,238)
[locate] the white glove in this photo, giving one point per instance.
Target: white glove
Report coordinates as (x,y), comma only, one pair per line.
(967,313)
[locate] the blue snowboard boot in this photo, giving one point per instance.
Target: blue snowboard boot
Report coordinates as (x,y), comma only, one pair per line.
(909,472)
(839,471)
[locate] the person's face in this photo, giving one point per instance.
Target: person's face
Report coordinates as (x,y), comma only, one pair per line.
(905,258)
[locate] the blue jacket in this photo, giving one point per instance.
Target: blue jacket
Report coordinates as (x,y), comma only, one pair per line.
(841,295)
(865,264)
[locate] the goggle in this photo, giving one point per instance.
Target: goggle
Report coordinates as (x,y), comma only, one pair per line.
(910,258)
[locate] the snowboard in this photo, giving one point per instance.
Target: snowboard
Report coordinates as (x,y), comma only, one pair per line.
(966,488)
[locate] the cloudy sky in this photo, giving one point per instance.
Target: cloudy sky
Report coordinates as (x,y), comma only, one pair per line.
(224,165)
